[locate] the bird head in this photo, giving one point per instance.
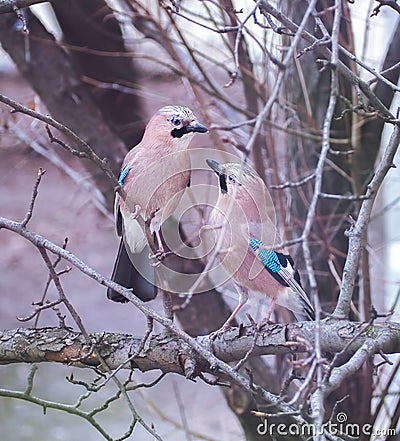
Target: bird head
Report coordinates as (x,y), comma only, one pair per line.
(245,199)
(175,124)
(233,177)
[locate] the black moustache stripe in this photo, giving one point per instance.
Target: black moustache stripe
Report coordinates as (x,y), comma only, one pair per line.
(222,183)
(178,133)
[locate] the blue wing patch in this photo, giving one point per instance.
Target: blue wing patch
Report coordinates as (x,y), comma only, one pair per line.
(269,258)
(274,261)
(123,174)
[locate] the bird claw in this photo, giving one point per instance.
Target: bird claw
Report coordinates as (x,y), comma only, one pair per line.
(136,210)
(219,332)
(157,258)
(264,323)
(155,263)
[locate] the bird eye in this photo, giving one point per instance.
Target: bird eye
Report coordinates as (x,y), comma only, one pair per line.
(232,178)
(176,121)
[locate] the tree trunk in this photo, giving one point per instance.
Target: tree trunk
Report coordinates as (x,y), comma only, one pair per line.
(56,79)
(97,49)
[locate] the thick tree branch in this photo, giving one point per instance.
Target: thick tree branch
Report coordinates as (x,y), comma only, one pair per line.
(170,354)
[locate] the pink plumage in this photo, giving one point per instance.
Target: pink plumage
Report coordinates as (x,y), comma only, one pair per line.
(244,229)
(154,175)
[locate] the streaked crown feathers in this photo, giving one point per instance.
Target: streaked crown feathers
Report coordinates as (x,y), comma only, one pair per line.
(177,114)
(238,173)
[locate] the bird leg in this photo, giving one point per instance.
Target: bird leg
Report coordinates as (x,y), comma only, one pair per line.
(154,224)
(268,315)
(243,297)
(160,249)
(160,253)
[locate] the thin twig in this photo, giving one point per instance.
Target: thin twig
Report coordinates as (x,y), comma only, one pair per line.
(28,215)
(290,184)
(84,149)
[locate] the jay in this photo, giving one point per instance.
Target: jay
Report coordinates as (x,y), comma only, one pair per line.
(154,175)
(245,234)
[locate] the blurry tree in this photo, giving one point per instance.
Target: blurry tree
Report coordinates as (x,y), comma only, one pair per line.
(281,84)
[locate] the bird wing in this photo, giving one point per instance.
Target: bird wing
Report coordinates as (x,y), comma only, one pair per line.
(281,267)
(117,212)
(124,173)
(117,215)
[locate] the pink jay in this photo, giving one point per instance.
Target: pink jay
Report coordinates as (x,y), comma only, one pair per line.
(154,175)
(243,229)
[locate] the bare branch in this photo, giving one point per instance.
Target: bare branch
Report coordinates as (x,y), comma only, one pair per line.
(357,232)
(84,148)
(96,197)
(267,8)
(391,3)
(13,5)
(28,215)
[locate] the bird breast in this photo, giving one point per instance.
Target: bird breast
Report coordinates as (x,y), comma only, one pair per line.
(158,188)
(232,227)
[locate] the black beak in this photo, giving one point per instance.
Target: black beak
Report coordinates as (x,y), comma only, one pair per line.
(216,167)
(195,127)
